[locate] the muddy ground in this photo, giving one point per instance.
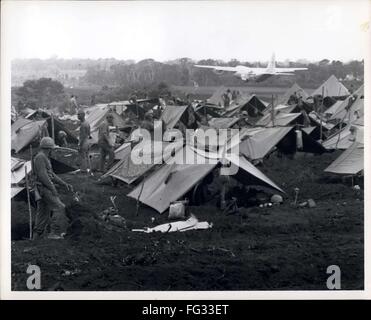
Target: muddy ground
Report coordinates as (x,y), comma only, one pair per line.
(278,248)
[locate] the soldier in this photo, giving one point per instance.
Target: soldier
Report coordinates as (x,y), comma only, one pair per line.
(49,201)
(104,143)
(83,141)
(62,138)
(73,105)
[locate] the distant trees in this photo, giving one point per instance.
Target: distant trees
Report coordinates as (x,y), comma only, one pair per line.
(150,73)
(41,93)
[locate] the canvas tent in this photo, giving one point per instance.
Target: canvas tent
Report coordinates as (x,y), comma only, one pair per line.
(300,92)
(257,142)
(223,123)
(40,114)
(18,174)
(351,161)
(332,87)
(128,171)
(281,119)
(251,104)
(216,98)
(173,114)
(24,131)
(208,110)
(122,151)
(344,138)
(356,110)
(95,116)
(172,181)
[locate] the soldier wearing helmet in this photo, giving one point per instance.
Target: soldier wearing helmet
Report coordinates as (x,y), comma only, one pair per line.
(50,209)
(84,146)
(104,143)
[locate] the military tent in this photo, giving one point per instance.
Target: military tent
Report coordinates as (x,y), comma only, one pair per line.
(40,114)
(223,123)
(356,108)
(122,151)
(24,131)
(18,167)
(129,171)
(216,98)
(256,143)
(332,87)
(95,116)
(316,120)
(251,104)
(344,138)
(208,110)
(291,91)
(281,119)
(173,114)
(351,161)
(172,181)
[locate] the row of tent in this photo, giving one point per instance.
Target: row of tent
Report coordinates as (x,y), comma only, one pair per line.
(285,128)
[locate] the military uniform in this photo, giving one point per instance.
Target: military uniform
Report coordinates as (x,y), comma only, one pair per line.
(50,201)
(84,145)
(105,146)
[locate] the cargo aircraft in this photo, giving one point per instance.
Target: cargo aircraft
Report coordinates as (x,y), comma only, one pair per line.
(255,74)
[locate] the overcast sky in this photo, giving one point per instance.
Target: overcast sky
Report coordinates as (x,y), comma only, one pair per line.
(245,30)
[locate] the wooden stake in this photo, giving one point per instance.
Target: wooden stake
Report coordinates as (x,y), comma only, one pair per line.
(320,114)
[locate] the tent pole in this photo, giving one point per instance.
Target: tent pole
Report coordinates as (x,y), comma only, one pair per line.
(53,134)
(320,114)
(272,111)
(28,202)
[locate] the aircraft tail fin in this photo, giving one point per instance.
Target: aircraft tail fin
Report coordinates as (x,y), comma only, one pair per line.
(272,64)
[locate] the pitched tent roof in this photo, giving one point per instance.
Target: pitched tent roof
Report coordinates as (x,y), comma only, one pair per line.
(95,116)
(122,151)
(18,174)
(59,126)
(172,114)
(24,131)
(295,88)
(222,123)
(172,181)
(281,119)
(351,161)
(257,142)
(216,97)
(251,104)
(357,106)
(316,119)
(128,171)
(336,106)
(343,139)
(332,87)
(208,110)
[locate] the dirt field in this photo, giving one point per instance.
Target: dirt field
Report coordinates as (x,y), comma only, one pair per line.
(277,248)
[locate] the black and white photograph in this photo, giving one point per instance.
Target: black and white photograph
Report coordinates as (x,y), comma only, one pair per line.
(182,149)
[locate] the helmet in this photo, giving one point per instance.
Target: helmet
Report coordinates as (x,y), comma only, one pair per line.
(47,143)
(276,198)
(81,112)
(62,134)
